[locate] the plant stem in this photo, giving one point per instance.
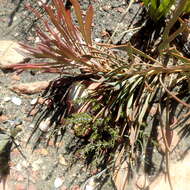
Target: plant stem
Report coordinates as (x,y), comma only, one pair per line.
(178,11)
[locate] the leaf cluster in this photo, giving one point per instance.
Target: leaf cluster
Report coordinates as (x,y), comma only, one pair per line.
(158,9)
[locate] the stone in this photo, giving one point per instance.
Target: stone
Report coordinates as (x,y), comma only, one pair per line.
(6,99)
(17,101)
(44,125)
(62,160)
(30,88)
(179,175)
(58,182)
(9,54)
(33,101)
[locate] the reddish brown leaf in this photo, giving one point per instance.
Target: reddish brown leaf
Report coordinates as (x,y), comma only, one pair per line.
(78,13)
(88,24)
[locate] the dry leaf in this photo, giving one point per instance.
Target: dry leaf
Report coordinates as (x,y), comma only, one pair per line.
(121,171)
(172,142)
(121,180)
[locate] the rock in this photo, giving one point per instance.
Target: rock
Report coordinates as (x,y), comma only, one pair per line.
(40,2)
(41,100)
(62,160)
(9,55)
(44,125)
(58,182)
(6,99)
(33,101)
(16,101)
(179,174)
(32,125)
(91,185)
(30,88)
(97,40)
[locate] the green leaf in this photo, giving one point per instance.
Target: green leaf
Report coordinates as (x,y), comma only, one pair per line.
(187,7)
(154,5)
(164,7)
(158,9)
(146,2)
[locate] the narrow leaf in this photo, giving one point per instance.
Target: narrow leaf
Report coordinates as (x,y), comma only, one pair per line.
(88,24)
(78,13)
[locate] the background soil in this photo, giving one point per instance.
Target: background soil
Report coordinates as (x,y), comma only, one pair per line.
(47,167)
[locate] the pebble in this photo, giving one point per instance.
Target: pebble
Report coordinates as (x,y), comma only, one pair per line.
(33,101)
(97,40)
(6,99)
(16,101)
(40,3)
(32,125)
(90,185)
(58,182)
(44,125)
(37,40)
(62,160)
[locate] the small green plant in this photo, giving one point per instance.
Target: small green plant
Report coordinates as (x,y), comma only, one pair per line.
(158,8)
(187,7)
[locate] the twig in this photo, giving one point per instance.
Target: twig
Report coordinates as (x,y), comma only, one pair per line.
(167,149)
(120,22)
(175,97)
